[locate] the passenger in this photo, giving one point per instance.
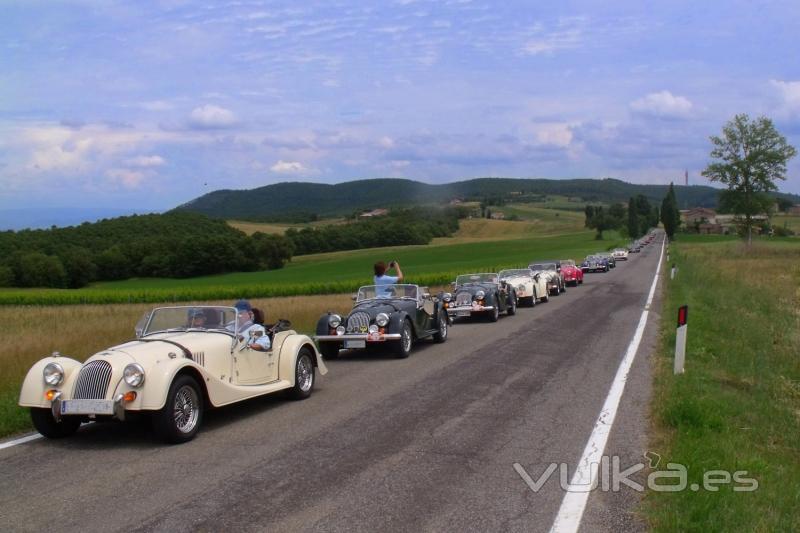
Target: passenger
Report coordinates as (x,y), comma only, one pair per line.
(197,318)
(253,334)
(383,290)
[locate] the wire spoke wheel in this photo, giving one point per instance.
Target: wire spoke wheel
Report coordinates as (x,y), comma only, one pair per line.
(186,409)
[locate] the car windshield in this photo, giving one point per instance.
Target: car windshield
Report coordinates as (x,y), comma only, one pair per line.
(515,273)
(187,318)
(466,279)
(543,266)
(369,292)
(568,262)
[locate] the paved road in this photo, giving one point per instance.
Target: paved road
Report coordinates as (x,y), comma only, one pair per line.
(421,444)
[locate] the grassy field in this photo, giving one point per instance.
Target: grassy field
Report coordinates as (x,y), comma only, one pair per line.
(790,221)
(737,407)
(278,229)
(334,272)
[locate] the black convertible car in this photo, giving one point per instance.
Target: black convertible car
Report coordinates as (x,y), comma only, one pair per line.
(384,315)
(480,294)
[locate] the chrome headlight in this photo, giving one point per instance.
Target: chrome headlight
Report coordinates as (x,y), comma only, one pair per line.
(334,321)
(53,374)
(340,330)
(447,297)
(382,319)
(134,375)
(373,328)
(480,295)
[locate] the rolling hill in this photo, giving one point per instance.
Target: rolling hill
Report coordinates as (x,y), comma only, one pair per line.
(290,201)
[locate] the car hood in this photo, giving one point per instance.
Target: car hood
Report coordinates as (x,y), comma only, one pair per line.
(389,306)
(516,280)
(160,345)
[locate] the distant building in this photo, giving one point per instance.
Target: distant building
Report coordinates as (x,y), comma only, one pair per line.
(794,210)
(690,217)
(456,201)
(374,213)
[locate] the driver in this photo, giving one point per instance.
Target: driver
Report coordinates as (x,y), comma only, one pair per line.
(197,318)
(253,334)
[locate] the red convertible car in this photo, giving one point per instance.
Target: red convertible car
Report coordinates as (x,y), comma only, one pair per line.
(573,275)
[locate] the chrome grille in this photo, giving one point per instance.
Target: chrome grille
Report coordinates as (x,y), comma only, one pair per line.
(358,322)
(93,381)
(464,298)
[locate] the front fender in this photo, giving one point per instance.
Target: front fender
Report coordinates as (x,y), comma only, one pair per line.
(33,386)
(158,378)
(289,343)
(396,322)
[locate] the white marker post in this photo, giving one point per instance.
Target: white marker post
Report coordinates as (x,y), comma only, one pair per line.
(680,338)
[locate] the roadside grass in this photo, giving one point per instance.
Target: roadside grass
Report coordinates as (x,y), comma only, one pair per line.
(29,333)
(335,272)
(737,407)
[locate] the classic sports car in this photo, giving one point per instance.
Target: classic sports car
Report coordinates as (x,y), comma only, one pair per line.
(612,263)
(480,294)
(171,371)
(572,274)
(529,287)
(593,263)
(555,279)
(396,315)
(620,254)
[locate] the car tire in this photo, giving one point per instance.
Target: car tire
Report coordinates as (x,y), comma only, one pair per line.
(441,335)
(495,313)
(402,348)
(46,424)
(303,375)
(512,308)
(329,350)
(180,418)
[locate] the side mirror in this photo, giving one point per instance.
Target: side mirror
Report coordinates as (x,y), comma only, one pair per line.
(139,329)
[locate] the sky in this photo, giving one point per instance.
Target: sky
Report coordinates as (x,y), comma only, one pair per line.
(148,104)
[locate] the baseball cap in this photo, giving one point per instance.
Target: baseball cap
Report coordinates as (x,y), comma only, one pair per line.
(243,305)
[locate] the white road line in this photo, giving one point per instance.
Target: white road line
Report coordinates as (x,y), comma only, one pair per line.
(573,505)
(22,440)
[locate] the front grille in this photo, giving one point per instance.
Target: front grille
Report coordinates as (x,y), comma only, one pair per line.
(463,298)
(93,381)
(358,322)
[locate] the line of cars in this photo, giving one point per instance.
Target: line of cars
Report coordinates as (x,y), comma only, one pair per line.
(173,371)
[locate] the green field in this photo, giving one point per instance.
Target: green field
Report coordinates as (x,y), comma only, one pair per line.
(331,272)
(737,407)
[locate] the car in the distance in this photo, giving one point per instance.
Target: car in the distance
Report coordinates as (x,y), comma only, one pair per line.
(593,263)
(531,288)
(552,270)
(573,274)
(620,254)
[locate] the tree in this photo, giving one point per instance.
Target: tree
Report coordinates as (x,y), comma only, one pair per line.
(749,157)
(670,215)
(633,220)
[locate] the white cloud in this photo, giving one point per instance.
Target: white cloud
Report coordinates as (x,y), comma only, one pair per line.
(212,117)
(146,161)
(553,134)
(289,167)
(130,179)
(790,94)
(663,104)
(156,105)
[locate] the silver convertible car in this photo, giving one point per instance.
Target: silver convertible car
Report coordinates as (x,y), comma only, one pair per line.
(171,371)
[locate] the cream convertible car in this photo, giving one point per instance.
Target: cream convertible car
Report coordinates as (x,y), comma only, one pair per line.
(171,371)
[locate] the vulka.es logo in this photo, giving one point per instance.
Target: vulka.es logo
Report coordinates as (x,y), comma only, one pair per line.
(608,475)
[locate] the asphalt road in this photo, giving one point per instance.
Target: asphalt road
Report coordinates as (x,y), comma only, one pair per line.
(421,444)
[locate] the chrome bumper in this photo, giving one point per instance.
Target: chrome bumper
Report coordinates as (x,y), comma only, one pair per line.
(470,308)
(360,337)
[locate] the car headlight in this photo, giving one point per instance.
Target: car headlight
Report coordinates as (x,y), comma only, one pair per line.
(480,295)
(373,328)
(134,375)
(340,330)
(53,374)
(382,319)
(334,321)
(447,297)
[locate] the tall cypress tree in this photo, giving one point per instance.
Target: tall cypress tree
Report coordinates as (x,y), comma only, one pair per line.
(670,216)
(633,219)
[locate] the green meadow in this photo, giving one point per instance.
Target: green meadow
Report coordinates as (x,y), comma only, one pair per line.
(330,273)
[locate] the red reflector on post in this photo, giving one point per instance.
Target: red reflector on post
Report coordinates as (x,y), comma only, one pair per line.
(683,315)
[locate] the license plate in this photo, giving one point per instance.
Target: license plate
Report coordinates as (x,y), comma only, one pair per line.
(463,313)
(355,344)
(87,407)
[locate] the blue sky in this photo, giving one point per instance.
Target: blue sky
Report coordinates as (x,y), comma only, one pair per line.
(145,105)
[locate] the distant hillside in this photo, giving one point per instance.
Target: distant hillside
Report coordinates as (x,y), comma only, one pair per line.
(288,201)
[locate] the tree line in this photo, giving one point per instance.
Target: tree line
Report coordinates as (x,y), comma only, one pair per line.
(418,225)
(174,245)
(633,220)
